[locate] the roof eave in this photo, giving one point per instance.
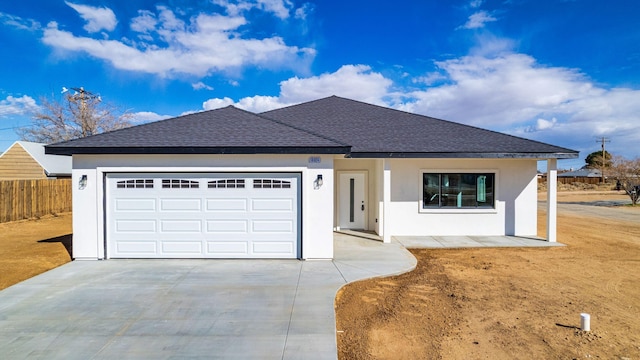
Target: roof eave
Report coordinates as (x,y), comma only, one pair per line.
(163,150)
(463,155)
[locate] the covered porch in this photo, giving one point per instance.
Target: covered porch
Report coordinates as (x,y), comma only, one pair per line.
(383,191)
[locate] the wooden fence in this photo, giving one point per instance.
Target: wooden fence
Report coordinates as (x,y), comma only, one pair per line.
(571,180)
(27,199)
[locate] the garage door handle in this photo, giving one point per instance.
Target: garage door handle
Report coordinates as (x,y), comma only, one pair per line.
(362,207)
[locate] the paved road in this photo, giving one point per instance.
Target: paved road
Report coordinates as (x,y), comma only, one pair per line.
(598,209)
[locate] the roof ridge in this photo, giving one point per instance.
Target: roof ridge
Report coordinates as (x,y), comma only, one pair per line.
(35,157)
(299,128)
(144,124)
(433,118)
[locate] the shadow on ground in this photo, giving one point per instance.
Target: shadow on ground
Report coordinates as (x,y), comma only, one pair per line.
(66,240)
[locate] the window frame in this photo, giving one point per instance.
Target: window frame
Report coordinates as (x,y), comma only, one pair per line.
(461,210)
(227,183)
(135,183)
(270,183)
(167,183)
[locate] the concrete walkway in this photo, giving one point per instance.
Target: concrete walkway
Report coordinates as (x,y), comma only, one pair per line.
(175,309)
(457,242)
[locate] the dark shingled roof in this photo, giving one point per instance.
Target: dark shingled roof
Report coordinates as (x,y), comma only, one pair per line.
(332,125)
(375,131)
(222,131)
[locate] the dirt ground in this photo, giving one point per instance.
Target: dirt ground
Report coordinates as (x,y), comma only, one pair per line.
(31,247)
(506,303)
(458,304)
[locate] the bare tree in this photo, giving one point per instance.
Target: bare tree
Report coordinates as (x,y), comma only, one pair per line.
(78,115)
(627,173)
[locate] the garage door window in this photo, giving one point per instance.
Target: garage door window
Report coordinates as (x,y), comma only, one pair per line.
(135,184)
(179,184)
(226,184)
(271,184)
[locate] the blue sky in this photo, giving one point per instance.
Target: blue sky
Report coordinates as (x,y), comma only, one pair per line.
(562,72)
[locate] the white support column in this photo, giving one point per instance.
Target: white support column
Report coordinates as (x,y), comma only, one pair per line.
(386,200)
(552,199)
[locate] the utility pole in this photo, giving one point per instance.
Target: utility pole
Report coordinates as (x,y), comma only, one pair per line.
(603,140)
(83,95)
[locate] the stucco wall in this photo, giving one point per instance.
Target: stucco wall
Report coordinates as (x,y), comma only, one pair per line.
(515,210)
(317,203)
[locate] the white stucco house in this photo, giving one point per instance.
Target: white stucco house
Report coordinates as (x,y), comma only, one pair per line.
(228,183)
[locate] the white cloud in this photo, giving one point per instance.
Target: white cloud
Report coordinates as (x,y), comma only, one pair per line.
(352,81)
(18,22)
(511,92)
(201,86)
(476,3)
(499,90)
(253,103)
(542,124)
(145,22)
(428,79)
(487,91)
(217,103)
(478,20)
(147,116)
(356,82)
(97,18)
(207,44)
(303,11)
(279,8)
(17,105)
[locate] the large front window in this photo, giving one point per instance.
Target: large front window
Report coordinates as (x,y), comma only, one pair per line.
(458,190)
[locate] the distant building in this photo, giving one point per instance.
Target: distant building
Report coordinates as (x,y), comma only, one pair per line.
(584,175)
(26,160)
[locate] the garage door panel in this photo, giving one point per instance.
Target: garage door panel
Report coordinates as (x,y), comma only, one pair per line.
(228,247)
(182,226)
(138,204)
(181,205)
(272,247)
(182,247)
(137,247)
(272,226)
(272,205)
(226,205)
(137,226)
(203,215)
(227,226)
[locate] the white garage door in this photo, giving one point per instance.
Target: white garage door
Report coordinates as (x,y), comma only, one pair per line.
(203,215)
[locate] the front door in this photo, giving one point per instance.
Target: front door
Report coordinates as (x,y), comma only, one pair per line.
(352,206)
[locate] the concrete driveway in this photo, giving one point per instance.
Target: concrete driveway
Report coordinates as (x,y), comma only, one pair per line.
(176,309)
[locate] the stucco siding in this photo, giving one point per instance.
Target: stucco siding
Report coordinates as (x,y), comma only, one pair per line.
(317,202)
(515,211)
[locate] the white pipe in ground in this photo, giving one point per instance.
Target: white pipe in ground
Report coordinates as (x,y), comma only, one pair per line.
(585,322)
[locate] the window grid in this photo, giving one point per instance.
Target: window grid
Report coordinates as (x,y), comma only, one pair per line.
(226,184)
(271,184)
(179,184)
(135,184)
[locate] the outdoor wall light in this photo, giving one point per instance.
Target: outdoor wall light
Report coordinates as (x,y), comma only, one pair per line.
(318,182)
(83,182)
